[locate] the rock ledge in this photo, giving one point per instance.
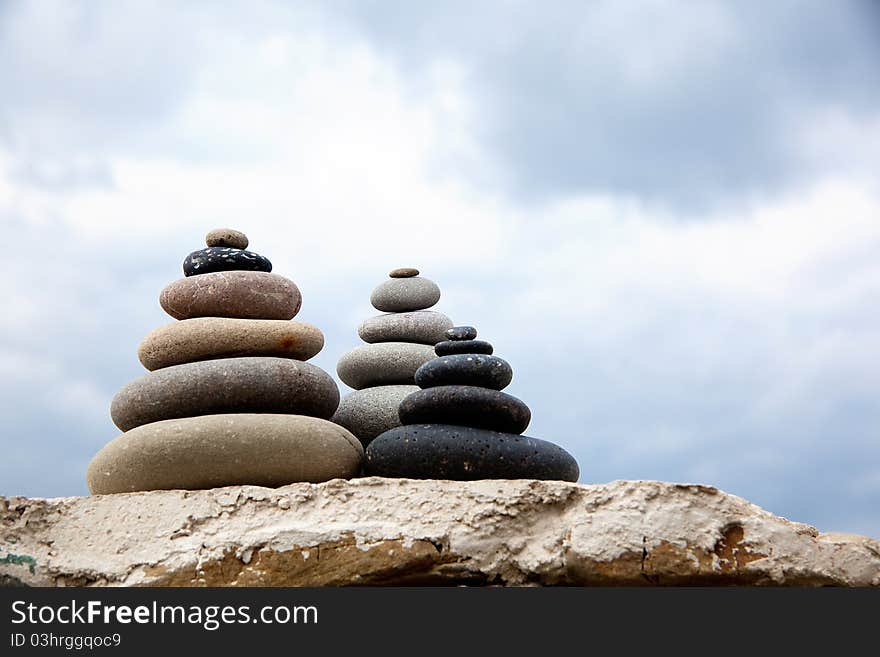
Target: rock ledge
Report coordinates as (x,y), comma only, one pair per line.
(407,532)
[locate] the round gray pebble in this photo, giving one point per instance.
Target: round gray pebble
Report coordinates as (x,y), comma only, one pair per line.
(367,413)
(400,295)
(385,363)
(422,326)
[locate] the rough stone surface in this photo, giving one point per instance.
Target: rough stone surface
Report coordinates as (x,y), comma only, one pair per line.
(227,237)
(405,532)
(223,258)
(443,451)
(371,411)
(241,294)
(205,338)
(450,347)
(400,295)
(466,370)
(228,385)
(421,326)
(461,333)
(385,363)
(223,450)
(404,272)
(468,406)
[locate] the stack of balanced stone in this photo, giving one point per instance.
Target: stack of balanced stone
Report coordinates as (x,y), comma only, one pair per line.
(229,399)
(461,426)
(402,339)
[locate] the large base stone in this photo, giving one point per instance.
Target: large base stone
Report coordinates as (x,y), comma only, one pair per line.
(222,450)
(406,532)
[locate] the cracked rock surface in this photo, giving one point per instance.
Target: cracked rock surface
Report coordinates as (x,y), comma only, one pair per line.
(408,532)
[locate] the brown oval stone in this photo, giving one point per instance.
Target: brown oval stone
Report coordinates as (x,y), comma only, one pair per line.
(404,272)
(226,385)
(237,294)
(206,338)
(227,237)
(225,450)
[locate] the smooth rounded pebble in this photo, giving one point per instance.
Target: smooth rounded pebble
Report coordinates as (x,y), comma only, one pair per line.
(440,451)
(449,347)
(225,450)
(227,237)
(385,363)
(461,333)
(467,406)
(207,338)
(371,411)
(400,295)
(422,326)
(223,258)
(238,294)
(404,272)
(227,385)
(466,370)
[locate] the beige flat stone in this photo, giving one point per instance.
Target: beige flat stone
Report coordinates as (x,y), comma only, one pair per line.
(206,338)
(239,294)
(223,450)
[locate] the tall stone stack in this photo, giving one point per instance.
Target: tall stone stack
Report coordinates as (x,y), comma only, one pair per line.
(461,426)
(382,372)
(229,398)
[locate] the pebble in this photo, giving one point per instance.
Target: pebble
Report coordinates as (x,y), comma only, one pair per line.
(405,294)
(422,326)
(468,406)
(238,294)
(439,451)
(385,363)
(367,413)
(404,272)
(227,385)
(207,338)
(461,333)
(225,450)
(223,258)
(449,347)
(227,237)
(467,370)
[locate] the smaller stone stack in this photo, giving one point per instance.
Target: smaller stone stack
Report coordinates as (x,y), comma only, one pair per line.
(229,398)
(461,426)
(400,341)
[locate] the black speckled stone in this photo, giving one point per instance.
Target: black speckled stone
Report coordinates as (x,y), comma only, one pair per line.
(467,406)
(449,347)
(465,370)
(441,451)
(461,333)
(224,258)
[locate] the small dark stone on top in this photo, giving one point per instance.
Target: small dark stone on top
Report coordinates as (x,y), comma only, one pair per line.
(449,347)
(223,258)
(404,272)
(461,333)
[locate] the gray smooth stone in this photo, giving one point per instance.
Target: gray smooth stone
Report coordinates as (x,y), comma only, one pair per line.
(369,412)
(421,326)
(399,295)
(384,363)
(225,450)
(226,385)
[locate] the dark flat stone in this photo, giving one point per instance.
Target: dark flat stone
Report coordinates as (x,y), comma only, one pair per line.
(224,258)
(440,451)
(449,347)
(465,370)
(461,333)
(467,406)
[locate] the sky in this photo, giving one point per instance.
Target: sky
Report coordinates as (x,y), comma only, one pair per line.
(664,215)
